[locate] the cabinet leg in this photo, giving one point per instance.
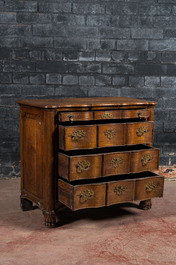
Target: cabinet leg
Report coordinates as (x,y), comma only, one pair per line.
(26,205)
(50,218)
(145,205)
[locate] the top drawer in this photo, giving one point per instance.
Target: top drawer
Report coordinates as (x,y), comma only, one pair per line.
(103,115)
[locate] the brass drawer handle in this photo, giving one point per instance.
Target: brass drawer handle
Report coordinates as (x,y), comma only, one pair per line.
(115,162)
(86,195)
(83,165)
(147,158)
(140,131)
(78,135)
(119,190)
(110,133)
(139,114)
(151,186)
(107,115)
(70,116)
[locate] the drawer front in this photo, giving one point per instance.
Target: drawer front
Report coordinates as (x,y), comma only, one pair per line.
(89,196)
(120,191)
(77,137)
(116,163)
(80,167)
(81,196)
(145,160)
(132,114)
(148,188)
(75,116)
(107,115)
(139,133)
(110,135)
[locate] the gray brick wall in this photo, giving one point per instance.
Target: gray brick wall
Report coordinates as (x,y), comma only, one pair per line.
(73,48)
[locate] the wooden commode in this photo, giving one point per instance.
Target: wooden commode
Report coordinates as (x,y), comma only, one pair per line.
(87,153)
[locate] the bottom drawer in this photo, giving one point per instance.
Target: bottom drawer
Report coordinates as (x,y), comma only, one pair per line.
(149,187)
(110,190)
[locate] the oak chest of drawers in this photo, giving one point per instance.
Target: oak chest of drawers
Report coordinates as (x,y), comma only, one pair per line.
(87,153)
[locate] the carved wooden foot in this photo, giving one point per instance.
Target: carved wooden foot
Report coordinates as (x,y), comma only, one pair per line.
(145,205)
(51,219)
(26,205)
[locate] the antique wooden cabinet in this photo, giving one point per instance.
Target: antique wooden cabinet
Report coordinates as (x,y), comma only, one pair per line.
(87,153)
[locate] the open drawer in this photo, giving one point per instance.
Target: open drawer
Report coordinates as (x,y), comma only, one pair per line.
(75,165)
(109,191)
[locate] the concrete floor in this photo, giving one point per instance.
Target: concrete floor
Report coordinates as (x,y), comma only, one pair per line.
(122,234)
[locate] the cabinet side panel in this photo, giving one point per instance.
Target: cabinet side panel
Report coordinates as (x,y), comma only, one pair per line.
(32,153)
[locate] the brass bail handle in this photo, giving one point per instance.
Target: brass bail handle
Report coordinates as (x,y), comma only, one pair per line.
(71,116)
(139,115)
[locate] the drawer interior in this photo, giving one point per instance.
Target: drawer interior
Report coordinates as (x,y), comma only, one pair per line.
(137,176)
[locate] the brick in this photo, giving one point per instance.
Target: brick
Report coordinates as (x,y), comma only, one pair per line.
(87,56)
(168,81)
(9,112)
(154,10)
(146,21)
(144,93)
(20,78)
(37,78)
(36,42)
(53,55)
(143,33)
(108,44)
(170,126)
(86,80)
(172,115)
(5,78)
(150,69)
(5,53)
(57,67)
(103,80)
(165,138)
(170,102)
(10,90)
(70,79)
(111,68)
(86,8)
(129,21)
(55,7)
(118,56)
(8,18)
(167,149)
(105,91)
(13,30)
(164,160)
(26,6)
(37,90)
(164,21)
(71,20)
(170,33)
(70,91)
(164,92)
(136,81)
(18,66)
(42,18)
(37,55)
(132,45)
(93,44)
(74,44)
(20,54)
(103,56)
(71,56)
(119,81)
(98,20)
(169,45)
(161,115)
(8,42)
(171,69)
(153,81)
(85,68)
(53,78)
(122,9)
(168,57)
(114,32)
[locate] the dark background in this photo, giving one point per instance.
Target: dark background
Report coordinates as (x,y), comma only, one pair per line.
(78,48)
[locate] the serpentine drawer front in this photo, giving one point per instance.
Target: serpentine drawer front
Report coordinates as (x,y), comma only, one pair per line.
(110,191)
(87,153)
(104,135)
